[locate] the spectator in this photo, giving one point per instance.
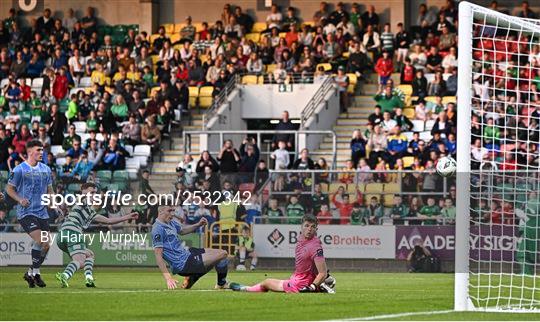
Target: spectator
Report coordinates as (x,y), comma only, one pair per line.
(448,212)
(132,131)
(388,124)
(399,211)
(229,158)
(304,162)
(402,121)
(294,211)
(377,145)
(387,99)
(525,11)
(249,157)
(429,213)
(374,211)
(418,58)
(321,13)
(397,146)
(437,87)
(434,60)
(274,19)
(150,133)
(387,40)
(371,41)
(324,215)
(358,147)
(370,18)
(342,80)
(452,82)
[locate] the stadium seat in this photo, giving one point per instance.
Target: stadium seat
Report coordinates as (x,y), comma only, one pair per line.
(254,36)
(388,200)
(408,161)
(143,161)
(4,82)
(410,113)
(409,135)
(169,28)
(205,96)
(129,149)
(153,38)
(193,95)
(392,187)
(327,67)
(57,150)
(132,163)
(334,187)
(142,150)
(80,127)
(120,175)
(37,84)
(429,125)
(449,99)
(74,188)
(432,99)
(346,54)
(249,80)
(260,80)
(406,89)
(270,68)
(426,136)
(258,27)
(418,125)
(85,82)
(155,60)
(374,188)
(198,26)
(104,176)
(175,38)
(60,161)
(353,80)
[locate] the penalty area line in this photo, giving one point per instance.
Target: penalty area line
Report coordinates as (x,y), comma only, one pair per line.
(393,316)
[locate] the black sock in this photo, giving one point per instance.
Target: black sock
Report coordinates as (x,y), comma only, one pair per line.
(36,258)
(221,269)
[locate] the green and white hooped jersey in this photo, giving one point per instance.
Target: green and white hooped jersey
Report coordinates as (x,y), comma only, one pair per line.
(79,218)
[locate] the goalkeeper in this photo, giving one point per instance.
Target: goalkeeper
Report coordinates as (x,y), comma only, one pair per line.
(310,274)
(527,248)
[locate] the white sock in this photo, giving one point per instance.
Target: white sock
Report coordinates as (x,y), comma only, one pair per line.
(29,270)
(35,271)
(89,277)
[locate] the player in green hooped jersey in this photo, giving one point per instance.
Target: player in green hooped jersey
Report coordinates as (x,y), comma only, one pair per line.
(71,241)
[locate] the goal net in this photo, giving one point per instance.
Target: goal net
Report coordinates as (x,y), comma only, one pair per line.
(498,226)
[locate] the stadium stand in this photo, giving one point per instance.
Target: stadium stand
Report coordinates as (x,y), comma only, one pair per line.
(126,92)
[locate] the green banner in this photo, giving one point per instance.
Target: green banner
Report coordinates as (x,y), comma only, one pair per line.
(113,253)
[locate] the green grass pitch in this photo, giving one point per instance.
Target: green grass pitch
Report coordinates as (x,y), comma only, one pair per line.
(138,294)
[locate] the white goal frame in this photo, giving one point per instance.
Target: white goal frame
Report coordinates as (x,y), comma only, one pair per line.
(462,299)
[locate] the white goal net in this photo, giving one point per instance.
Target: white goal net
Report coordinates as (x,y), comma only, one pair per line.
(498,229)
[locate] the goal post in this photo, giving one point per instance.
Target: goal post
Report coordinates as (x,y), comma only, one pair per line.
(496,199)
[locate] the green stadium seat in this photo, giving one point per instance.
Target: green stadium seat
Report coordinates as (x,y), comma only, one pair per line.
(74,187)
(104,176)
(4,176)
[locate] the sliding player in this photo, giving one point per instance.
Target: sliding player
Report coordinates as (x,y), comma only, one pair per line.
(192,263)
(27,183)
(310,274)
(70,237)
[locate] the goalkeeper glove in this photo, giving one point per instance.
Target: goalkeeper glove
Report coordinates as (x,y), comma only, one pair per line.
(325,288)
(309,289)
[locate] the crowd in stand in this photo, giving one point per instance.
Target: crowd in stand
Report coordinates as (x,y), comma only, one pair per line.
(63,75)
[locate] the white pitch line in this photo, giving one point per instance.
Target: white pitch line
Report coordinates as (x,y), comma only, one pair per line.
(397,315)
(110,291)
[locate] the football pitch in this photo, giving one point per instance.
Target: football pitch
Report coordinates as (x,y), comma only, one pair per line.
(139,294)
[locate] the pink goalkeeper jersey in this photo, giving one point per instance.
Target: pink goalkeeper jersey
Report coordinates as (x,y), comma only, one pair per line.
(306,253)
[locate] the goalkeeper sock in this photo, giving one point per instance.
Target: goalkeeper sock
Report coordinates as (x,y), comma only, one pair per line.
(257,288)
(71,268)
(89,267)
(253,263)
(221,269)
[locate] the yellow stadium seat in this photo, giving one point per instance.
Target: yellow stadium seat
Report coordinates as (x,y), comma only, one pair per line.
(155,59)
(260,80)
(346,54)
(206,91)
(388,200)
(258,27)
(327,67)
(254,36)
(408,161)
(352,83)
(205,102)
(311,23)
(107,81)
(204,58)
(193,95)
(169,28)
(449,99)
(374,188)
(392,187)
(249,80)
(406,89)
(334,187)
(351,189)
(270,68)
(155,89)
(410,113)
(432,99)
(282,34)
(178,27)
(175,38)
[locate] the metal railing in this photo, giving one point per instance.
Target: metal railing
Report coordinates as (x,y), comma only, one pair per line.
(220,100)
(359,179)
(308,111)
(187,139)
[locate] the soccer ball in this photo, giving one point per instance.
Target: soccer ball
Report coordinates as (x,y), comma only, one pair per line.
(446,166)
